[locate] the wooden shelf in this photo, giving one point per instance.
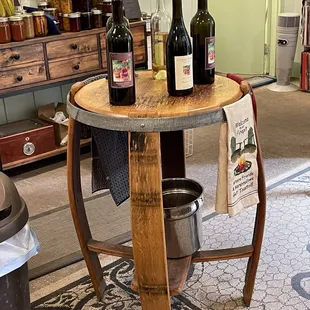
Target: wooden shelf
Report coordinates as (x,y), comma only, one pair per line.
(177,271)
(32,159)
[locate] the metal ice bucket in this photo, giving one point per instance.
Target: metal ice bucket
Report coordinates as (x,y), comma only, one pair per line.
(182,200)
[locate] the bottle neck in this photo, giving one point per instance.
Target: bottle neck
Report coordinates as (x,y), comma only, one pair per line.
(202,4)
(160,5)
(117,12)
(177,9)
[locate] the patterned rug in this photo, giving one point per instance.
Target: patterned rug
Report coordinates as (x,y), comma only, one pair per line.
(283,278)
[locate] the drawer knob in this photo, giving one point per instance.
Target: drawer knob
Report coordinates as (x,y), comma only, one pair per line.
(76,67)
(74,46)
(19,78)
(16,56)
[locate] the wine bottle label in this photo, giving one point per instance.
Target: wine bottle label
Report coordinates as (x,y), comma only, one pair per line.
(210,52)
(183,72)
(122,70)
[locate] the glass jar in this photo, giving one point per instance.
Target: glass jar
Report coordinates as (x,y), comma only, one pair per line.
(5,32)
(97,18)
(105,6)
(66,6)
(50,11)
(61,26)
(40,24)
(65,22)
(17,28)
(55,4)
(75,22)
(86,20)
(42,5)
(28,24)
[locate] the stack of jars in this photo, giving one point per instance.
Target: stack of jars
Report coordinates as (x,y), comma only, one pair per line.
(23,26)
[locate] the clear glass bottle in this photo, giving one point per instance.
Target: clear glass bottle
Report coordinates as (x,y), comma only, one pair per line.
(160,27)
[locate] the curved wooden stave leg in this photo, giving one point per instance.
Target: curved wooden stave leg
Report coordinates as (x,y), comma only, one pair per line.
(78,209)
(147,221)
(258,230)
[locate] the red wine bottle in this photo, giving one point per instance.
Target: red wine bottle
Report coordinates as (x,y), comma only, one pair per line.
(120,59)
(203,34)
(179,58)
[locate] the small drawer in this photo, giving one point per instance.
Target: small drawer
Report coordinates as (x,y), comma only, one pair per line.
(73,66)
(70,47)
(22,76)
(140,54)
(21,55)
(138,34)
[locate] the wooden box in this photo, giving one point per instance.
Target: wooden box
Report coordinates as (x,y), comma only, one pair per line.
(47,111)
(24,139)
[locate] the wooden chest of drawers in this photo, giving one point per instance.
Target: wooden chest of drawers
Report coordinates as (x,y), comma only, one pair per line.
(60,58)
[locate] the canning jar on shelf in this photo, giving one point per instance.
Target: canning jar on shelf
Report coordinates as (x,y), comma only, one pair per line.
(17,28)
(86,20)
(65,22)
(40,24)
(51,11)
(55,4)
(97,18)
(5,32)
(42,5)
(66,6)
(29,27)
(75,22)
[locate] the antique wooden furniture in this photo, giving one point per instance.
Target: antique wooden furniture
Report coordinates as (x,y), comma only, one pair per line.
(54,60)
(60,58)
(155,125)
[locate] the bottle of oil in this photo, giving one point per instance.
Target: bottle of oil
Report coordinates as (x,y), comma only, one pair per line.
(160,26)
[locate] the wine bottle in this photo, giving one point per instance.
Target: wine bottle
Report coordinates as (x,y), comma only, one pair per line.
(110,22)
(203,34)
(179,59)
(160,26)
(120,59)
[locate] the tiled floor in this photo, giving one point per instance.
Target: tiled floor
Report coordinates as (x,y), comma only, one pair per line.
(283,278)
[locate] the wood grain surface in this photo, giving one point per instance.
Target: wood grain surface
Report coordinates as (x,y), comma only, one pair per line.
(71,47)
(147,221)
(21,75)
(21,55)
(76,65)
(153,99)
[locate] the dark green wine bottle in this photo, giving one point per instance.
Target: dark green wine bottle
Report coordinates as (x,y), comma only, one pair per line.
(179,57)
(203,34)
(120,59)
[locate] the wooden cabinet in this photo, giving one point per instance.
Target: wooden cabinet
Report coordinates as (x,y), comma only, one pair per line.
(54,59)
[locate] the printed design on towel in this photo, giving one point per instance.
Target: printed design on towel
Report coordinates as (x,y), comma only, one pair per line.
(239,149)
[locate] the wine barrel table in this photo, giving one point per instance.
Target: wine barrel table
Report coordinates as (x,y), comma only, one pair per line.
(155,126)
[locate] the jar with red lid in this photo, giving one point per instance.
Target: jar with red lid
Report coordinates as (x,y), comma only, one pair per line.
(40,23)
(5,32)
(75,22)
(17,28)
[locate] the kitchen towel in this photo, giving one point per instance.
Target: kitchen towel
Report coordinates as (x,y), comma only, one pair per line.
(237,185)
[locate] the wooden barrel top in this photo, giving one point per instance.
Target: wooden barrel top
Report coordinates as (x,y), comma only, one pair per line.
(153,100)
